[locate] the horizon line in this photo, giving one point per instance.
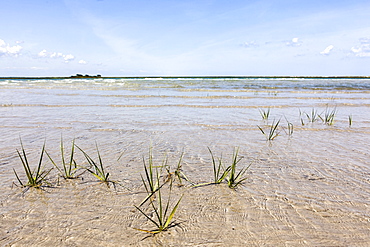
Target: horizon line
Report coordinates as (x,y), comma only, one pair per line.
(192,76)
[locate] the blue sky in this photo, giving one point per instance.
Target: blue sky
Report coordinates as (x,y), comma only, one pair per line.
(190,37)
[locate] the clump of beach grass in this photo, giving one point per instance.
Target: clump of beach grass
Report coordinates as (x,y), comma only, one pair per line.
(329,116)
(152,175)
(350,120)
(313,116)
(69,166)
(272,131)
(163,213)
(162,209)
(235,178)
(265,113)
(96,168)
(290,128)
(36,177)
(219,172)
(177,174)
(229,173)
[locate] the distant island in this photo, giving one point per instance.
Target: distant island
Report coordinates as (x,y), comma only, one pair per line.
(85,76)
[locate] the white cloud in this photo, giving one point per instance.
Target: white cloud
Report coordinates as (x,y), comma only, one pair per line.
(68,57)
(250,44)
(6,49)
(14,50)
(43,53)
(46,54)
(82,62)
(363,49)
(55,54)
(294,42)
(327,50)
(38,68)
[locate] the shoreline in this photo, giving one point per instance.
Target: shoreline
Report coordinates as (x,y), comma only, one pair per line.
(181,77)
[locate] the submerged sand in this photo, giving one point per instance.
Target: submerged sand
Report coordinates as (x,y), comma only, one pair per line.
(308,189)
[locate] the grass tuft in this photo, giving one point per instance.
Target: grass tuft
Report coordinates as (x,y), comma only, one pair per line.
(313,117)
(163,213)
(235,178)
(35,178)
(69,167)
(290,129)
(219,172)
(228,174)
(96,167)
(152,174)
(177,174)
(329,116)
(272,132)
(265,113)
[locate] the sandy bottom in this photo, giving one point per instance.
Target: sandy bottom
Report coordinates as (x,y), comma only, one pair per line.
(308,189)
(304,190)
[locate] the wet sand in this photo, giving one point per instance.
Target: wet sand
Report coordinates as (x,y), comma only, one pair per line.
(308,189)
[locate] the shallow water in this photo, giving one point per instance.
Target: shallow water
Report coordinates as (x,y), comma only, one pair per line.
(310,188)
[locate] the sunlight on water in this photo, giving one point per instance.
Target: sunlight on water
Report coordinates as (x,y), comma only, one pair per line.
(303,185)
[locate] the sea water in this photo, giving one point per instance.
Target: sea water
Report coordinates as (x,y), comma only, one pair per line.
(310,184)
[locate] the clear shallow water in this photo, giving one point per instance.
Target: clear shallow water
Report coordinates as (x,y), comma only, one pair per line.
(311,187)
(178,101)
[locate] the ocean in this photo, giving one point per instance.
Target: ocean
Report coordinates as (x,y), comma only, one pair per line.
(309,186)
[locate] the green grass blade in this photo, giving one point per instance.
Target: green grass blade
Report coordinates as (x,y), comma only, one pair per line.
(215,172)
(217,169)
(141,211)
(145,185)
(97,172)
(149,177)
(159,213)
(263,132)
(264,113)
(52,161)
(150,194)
(72,166)
(168,221)
(101,170)
(63,160)
(224,175)
(38,173)
(35,178)
(25,166)
(20,182)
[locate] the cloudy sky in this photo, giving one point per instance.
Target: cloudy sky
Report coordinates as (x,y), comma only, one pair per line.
(187,37)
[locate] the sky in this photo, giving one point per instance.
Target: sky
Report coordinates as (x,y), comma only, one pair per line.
(184,38)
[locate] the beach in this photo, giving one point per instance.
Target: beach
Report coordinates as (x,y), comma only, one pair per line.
(309,186)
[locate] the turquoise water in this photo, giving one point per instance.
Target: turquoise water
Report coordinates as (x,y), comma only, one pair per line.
(307,83)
